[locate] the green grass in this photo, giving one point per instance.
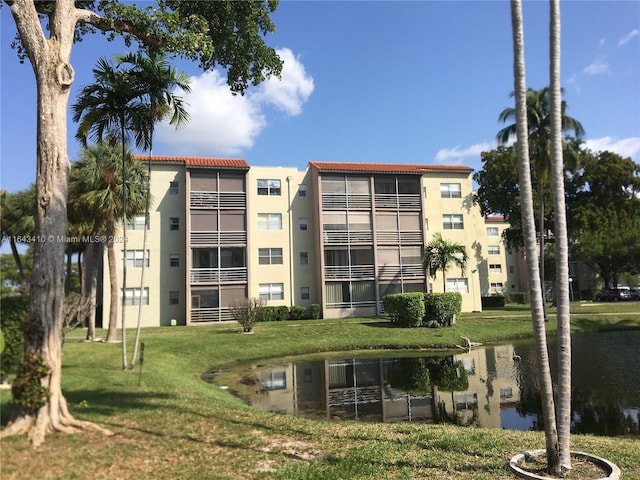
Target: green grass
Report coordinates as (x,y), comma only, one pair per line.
(176,426)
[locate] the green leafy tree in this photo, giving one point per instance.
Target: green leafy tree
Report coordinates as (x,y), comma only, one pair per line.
(440,254)
(96,184)
(222,33)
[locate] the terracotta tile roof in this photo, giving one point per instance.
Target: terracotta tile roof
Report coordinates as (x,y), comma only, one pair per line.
(223,163)
(495,218)
(386,167)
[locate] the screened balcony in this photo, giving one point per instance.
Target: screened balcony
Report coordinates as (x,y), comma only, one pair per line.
(199,199)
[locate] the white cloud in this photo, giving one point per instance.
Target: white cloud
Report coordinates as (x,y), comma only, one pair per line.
(598,67)
(223,124)
(627,38)
(627,147)
(458,155)
(291,91)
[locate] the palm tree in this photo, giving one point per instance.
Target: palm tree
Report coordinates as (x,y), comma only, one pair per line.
(539,136)
(18,220)
(529,231)
(96,183)
(154,78)
(439,254)
(111,108)
(561,243)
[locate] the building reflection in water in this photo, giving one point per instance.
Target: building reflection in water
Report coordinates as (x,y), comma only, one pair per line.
(470,388)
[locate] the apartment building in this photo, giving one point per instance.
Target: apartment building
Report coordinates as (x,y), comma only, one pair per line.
(341,235)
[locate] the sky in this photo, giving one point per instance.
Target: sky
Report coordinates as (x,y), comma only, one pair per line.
(372,81)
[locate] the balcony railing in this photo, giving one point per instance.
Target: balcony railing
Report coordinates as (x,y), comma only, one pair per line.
(218,238)
(218,275)
(403,237)
(342,201)
(343,237)
(412,270)
(371,303)
(346,271)
(210,315)
(217,199)
(402,201)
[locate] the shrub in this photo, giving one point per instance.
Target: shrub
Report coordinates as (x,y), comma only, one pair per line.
(247,312)
(296,312)
(314,311)
(404,309)
(520,298)
(14,310)
(442,309)
(494,301)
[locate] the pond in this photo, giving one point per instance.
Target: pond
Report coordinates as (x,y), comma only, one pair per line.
(493,386)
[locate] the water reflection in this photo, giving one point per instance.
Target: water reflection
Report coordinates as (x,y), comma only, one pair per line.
(493,386)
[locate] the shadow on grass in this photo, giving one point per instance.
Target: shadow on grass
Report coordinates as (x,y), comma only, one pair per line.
(591,324)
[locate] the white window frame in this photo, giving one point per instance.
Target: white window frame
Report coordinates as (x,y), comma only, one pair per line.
(493,231)
(174,260)
(174,188)
(496,287)
(269,186)
(302,190)
(304,258)
(137,222)
(269,256)
(450,190)
(452,221)
(269,221)
(271,291)
(132,296)
(174,224)
(495,268)
(493,250)
(304,224)
(459,285)
(134,258)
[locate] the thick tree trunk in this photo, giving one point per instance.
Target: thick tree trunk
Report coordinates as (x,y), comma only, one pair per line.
(44,328)
(90,286)
(529,230)
(561,243)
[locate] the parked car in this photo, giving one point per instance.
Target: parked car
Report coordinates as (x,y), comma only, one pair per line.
(613,295)
(635,294)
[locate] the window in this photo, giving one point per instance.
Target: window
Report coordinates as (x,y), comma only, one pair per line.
(274,381)
(136,222)
(269,221)
(174,260)
(270,256)
(174,297)
(452,222)
(134,258)
(304,293)
(304,224)
(506,393)
(492,231)
(497,287)
(132,296)
(459,285)
(174,188)
(495,268)
(271,291)
(450,190)
(268,187)
(174,223)
(302,190)
(493,250)
(511,269)
(304,258)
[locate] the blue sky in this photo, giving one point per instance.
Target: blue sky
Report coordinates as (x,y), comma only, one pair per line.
(398,82)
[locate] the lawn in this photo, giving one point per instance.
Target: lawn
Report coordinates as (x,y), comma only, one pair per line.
(176,426)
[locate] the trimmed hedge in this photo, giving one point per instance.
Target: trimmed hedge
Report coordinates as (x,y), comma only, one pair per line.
(405,309)
(442,309)
(296,312)
(520,298)
(314,311)
(494,301)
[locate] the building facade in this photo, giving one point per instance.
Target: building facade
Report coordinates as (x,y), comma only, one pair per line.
(341,235)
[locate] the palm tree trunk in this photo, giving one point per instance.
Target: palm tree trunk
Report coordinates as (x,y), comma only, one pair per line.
(561,243)
(113,281)
(144,259)
(90,286)
(541,240)
(124,249)
(18,260)
(529,230)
